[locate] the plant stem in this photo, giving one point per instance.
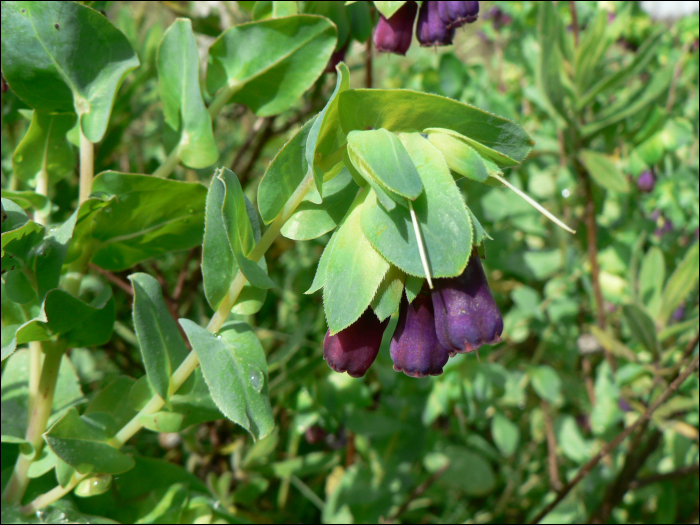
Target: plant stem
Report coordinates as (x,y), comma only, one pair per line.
(612,445)
(34,374)
(368,63)
(41,411)
(421,249)
(42,188)
(87,167)
(168,166)
(223,98)
(192,361)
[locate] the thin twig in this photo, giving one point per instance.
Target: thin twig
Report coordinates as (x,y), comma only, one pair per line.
(616,491)
(574,22)
(612,445)
(179,286)
(417,493)
(553,467)
(252,135)
(114,279)
(691,470)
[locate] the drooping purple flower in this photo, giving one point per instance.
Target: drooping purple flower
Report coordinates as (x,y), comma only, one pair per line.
(466,316)
(395,34)
(354,349)
(456,14)
(431,30)
(415,349)
(646,181)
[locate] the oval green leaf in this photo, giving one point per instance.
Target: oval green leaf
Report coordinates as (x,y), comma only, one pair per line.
(64,56)
(400,110)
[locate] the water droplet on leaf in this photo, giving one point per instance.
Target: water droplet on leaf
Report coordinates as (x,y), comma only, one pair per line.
(256,376)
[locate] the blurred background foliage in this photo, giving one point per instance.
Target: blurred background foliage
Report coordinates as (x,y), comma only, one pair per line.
(488,441)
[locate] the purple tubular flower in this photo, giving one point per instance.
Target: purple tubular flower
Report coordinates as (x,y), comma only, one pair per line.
(354,349)
(415,349)
(431,30)
(466,316)
(646,181)
(456,14)
(394,35)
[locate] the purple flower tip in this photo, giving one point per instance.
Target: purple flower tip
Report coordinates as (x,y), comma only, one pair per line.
(646,181)
(336,58)
(394,35)
(431,30)
(354,349)
(456,14)
(678,313)
(415,349)
(466,316)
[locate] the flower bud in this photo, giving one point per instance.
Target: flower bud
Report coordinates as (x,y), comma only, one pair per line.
(456,14)
(336,58)
(354,349)
(466,316)
(415,349)
(431,30)
(646,181)
(394,35)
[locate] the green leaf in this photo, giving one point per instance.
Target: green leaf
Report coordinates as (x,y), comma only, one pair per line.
(414,284)
(83,445)
(400,110)
(506,434)
(280,9)
(178,83)
(488,155)
(79,323)
(326,135)
(642,327)
(11,312)
(162,347)
(233,363)
(254,59)
(322,268)
(196,405)
(28,200)
(360,20)
(388,8)
(594,42)
(251,299)
(479,231)
(63,56)
(335,12)
(680,284)
(604,171)
(388,297)
(15,394)
(50,255)
(442,218)
(652,276)
(550,66)
(355,271)
(163,421)
(45,147)
(145,217)
(113,400)
(283,175)
(546,383)
(569,437)
(9,339)
(310,220)
(19,236)
(93,486)
(381,158)
(481,479)
(634,103)
(239,229)
(460,157)
(647,51)
(18,288)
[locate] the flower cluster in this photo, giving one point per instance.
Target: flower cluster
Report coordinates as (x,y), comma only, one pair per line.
(458,316)
(436,25)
